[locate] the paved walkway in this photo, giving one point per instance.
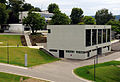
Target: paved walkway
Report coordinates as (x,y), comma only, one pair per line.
(28,40)
(60,71)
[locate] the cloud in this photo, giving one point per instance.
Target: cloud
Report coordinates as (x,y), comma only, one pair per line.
(89,6)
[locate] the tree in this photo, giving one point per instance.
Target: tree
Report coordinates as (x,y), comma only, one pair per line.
(3,1)
(3,14)
(76,15)
(34,21)
(37,9)
(15,6)
(60,19)
(27,7)
(115,25)
(89,20)
(103,16)
(53,8)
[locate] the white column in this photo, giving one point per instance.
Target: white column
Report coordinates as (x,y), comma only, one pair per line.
(97,36)
(91,37)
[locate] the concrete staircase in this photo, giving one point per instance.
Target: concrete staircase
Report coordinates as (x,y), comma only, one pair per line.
(28,40)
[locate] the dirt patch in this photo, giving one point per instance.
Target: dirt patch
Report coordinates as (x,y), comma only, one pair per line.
(23,41)
(34,80)
(37,39)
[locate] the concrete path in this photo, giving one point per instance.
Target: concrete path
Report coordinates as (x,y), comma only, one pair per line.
(28,40)
(60,71)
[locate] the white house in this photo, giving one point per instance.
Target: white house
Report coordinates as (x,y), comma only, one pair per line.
(78,41)
(45,14)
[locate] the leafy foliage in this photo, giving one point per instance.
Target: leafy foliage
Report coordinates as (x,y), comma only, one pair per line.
(27,7)
(76,15)
(60,19)
(35,21)
(53,8)
(89,20)
(103,16)
(3,14)
(115,25)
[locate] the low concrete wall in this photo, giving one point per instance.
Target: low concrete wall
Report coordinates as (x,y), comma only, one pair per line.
(16,28)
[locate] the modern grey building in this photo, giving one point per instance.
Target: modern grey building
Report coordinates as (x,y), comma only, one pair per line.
(78,41)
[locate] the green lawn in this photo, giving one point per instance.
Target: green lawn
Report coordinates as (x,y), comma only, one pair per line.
(16,56)
(5,77)
(12,40)
(105,72)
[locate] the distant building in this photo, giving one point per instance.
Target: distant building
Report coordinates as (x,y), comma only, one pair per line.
(78,41)
(45,14)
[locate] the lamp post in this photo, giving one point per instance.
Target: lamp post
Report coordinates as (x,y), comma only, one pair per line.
(94,70)
(7,53)
(97,55)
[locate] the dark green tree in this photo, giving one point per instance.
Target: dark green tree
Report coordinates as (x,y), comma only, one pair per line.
(37,9)
(60,19)
(3,1)
(14,6)
(115,25)
(34,21)
(27,7)
(103,16)
(89,20)
(53,8)
(3,14)
(76,15)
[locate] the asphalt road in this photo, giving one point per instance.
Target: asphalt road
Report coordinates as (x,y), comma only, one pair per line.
(60,71)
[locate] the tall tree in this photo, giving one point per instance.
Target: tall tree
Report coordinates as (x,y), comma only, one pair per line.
(53,8)
(3,14)
(103,16)
(60,19)
(34,21)
(115,25)
(15,6)
(27,7)
(89,20)
(76,15)
(3,1)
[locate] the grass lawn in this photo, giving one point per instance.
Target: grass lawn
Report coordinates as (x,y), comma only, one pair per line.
(16,56)
(6,77)
(105,72)
(12,40)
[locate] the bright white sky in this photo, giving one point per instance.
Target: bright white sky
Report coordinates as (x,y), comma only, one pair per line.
(89,6)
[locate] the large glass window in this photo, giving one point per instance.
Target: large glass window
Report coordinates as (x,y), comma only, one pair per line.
(99,36)
(108,35)
(104,35)
(88,37)
(94,38)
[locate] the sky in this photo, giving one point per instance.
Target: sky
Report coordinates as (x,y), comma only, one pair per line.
(88,6)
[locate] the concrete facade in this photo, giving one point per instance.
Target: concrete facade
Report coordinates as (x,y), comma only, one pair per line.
(16,28)
(69,41)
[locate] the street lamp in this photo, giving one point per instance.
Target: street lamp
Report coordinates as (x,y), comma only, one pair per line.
(7,53)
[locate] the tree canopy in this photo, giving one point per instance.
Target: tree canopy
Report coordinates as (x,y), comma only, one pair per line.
(115,25)
(3,1)
(34,21)
(53,8)
(89,20)
(27,7)
(76,15)
(3,14)
(60,19)
(103,16)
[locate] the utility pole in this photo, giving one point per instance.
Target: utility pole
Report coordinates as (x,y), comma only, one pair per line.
(7,53)
(97,55)
(94,70)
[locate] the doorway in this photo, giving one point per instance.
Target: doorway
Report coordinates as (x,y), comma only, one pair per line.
(61,53)
(99,51)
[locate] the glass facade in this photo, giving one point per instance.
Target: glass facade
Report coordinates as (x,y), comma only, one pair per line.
(94,36)
(88,37)
(98,36)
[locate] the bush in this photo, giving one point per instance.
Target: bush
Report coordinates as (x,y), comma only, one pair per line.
(1,31)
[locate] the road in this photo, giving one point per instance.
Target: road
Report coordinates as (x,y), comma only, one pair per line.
(60,71)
